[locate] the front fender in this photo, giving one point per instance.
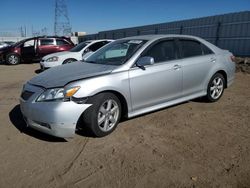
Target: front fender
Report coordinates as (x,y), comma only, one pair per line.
(118,82)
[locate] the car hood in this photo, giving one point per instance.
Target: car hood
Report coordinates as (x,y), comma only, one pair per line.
(58,54)
(62,75)
(6,48)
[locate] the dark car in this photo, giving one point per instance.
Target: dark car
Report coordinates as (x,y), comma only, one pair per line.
(33,49)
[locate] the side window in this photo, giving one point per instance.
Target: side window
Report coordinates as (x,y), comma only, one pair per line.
(162,51)
(45,42)
(190,48)
(29,43)
(206,50)
(96,46)
(60,42)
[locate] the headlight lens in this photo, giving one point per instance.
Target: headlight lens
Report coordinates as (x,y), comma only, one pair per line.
(51,59)
(57,94)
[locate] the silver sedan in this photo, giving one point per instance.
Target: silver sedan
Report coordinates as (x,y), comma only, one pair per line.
(128,77)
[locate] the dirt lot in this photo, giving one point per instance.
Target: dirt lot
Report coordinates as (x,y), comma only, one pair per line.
(194,144)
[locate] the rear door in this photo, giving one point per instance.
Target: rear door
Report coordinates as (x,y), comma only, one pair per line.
(197,59)
(47,46)
(63,45)
(160,82)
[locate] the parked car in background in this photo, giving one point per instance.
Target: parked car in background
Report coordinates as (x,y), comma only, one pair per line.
(128,77)
(33,49)
(6,43)
(82,50)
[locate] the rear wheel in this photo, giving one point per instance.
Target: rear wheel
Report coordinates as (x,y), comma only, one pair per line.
(12,59)
(69,61)
(215,87)
(104,115)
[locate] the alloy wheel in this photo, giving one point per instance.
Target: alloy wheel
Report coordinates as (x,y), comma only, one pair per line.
(216,88)
(108,115)
(13,59)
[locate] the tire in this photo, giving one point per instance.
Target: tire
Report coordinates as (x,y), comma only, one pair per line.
(106,108)
(12,59)
(215,87)
(69,61)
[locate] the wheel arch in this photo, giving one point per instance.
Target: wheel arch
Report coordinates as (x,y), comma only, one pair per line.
(69,59)
(13,53)
(124,103)
(124,111)
(224,74)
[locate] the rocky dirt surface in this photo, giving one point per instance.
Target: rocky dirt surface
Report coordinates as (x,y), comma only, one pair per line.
(195,144)
(243,64)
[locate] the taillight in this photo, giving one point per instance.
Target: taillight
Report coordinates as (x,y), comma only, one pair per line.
(232,58)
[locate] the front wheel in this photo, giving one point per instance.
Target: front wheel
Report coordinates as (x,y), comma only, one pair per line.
(215,87)
(104,115)
(12,59)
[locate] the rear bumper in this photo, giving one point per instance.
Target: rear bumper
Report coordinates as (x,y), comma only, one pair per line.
(230,81)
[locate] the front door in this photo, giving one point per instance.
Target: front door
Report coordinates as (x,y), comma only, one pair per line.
(28,50)
(160,82)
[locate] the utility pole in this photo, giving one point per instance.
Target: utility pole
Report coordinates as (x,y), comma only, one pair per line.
(25,31)
(22,32)
(62,23)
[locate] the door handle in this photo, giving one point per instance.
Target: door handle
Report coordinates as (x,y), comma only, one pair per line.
(176,67)
(213,59)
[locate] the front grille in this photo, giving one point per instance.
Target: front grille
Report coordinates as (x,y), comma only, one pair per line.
(26,95)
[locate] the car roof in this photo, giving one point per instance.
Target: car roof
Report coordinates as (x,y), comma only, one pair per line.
(99,40)
(44,37)
(156,37)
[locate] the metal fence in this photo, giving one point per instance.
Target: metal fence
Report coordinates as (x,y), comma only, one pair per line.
(227,31)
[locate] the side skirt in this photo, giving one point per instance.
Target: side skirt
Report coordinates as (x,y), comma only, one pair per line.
(166,104)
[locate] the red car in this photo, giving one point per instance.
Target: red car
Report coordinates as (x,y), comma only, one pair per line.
(33,49)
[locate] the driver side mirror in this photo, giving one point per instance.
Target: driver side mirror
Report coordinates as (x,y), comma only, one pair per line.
(144,61)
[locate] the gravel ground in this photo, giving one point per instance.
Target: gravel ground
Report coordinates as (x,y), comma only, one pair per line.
(194,144)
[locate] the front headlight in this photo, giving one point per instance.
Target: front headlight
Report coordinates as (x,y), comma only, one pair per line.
(51,59)
(57,94)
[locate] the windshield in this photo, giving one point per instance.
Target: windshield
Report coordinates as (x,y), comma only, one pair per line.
(19,42)
(79,47)
(116,53)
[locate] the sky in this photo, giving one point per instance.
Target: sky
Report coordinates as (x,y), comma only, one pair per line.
(93,16)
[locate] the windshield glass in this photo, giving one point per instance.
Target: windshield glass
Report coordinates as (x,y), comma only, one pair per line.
(79,47)
(116,53)
(19,43)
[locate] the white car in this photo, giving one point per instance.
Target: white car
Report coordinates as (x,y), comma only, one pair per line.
(79,52)
(6,43)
